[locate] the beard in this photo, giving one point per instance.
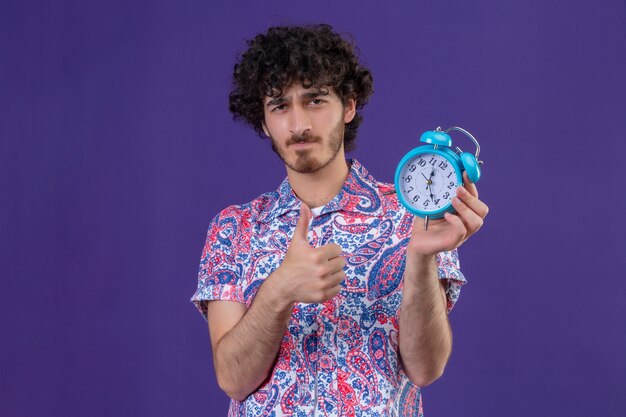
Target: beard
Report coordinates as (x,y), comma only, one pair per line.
(306,162)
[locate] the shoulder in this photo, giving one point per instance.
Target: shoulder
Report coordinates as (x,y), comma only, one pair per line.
(230,216)
(240,216)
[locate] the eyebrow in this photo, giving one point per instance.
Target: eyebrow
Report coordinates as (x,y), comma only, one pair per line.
(280,100)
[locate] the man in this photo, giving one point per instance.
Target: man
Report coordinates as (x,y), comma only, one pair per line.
(325,297)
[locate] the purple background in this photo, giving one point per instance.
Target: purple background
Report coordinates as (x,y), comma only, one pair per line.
(117,149)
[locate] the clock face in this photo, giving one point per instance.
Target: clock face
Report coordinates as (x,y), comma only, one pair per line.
(428,182)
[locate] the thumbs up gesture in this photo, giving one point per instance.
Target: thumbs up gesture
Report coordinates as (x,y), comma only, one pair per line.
(308,274)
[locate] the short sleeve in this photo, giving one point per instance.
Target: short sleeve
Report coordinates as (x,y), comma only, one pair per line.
(450,269)
(220,270)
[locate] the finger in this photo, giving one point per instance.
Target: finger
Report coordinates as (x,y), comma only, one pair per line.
(459,228)
(302,227)
(472,202)
(472,221)
(330,250)
(469,186)
(336,279)
(336,264)
(331,292)
(336,290)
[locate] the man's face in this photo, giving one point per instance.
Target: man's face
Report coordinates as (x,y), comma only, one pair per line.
(307,126)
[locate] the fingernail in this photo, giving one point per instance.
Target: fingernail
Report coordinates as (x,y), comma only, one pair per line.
(461,191)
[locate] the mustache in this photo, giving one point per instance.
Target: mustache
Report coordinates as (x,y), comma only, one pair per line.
(303,139)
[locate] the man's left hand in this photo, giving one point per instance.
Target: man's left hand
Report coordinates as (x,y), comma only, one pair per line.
(451,231)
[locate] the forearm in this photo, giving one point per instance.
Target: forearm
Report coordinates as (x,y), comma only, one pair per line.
(425,336)
(244,356)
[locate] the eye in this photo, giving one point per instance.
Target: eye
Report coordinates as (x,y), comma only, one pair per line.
(279,107)
(316,101)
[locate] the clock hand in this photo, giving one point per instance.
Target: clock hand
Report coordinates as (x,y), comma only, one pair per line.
(430,181)
(425,179)
(432,172)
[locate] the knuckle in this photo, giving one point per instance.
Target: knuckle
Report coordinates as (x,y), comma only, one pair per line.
(476,224)
(335,249)
(331,292)
(318,257)
(320,295)
(319,271)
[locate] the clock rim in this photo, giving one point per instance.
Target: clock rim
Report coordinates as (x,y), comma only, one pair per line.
(445,153)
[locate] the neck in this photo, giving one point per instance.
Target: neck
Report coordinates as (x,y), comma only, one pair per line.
(318,188)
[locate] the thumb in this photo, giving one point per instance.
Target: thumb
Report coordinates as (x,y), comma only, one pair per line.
(302,227)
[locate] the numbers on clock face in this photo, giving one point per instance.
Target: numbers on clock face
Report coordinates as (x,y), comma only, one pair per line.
(429,182)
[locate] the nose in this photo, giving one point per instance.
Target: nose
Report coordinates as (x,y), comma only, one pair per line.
(299,120)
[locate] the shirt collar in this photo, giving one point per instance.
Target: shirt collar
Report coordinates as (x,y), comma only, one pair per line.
(359,194)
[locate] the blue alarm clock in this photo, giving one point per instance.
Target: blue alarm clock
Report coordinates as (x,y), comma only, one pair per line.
(427,177)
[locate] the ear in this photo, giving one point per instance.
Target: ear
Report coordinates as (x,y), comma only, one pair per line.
(349,110)
(267,132)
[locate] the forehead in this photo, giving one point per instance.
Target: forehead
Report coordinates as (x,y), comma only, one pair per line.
(296,91)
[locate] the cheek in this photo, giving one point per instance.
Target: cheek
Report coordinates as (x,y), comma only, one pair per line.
(276,128)
(327,122)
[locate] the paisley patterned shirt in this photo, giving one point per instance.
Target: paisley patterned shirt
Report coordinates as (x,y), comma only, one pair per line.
(340,357)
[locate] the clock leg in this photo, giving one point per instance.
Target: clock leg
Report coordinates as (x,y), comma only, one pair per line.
(426,223)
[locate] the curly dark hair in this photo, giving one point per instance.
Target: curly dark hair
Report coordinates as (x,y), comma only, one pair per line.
(313,56)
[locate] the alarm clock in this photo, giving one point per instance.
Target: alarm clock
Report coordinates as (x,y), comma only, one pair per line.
(427,177)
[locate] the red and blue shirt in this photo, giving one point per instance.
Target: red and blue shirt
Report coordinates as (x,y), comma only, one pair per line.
(340,357)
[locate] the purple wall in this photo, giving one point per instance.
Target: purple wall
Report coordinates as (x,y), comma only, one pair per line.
(117,148)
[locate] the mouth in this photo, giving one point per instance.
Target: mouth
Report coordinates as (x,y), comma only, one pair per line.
(302,145)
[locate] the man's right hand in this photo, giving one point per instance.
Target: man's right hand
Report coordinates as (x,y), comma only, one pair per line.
(308,274)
